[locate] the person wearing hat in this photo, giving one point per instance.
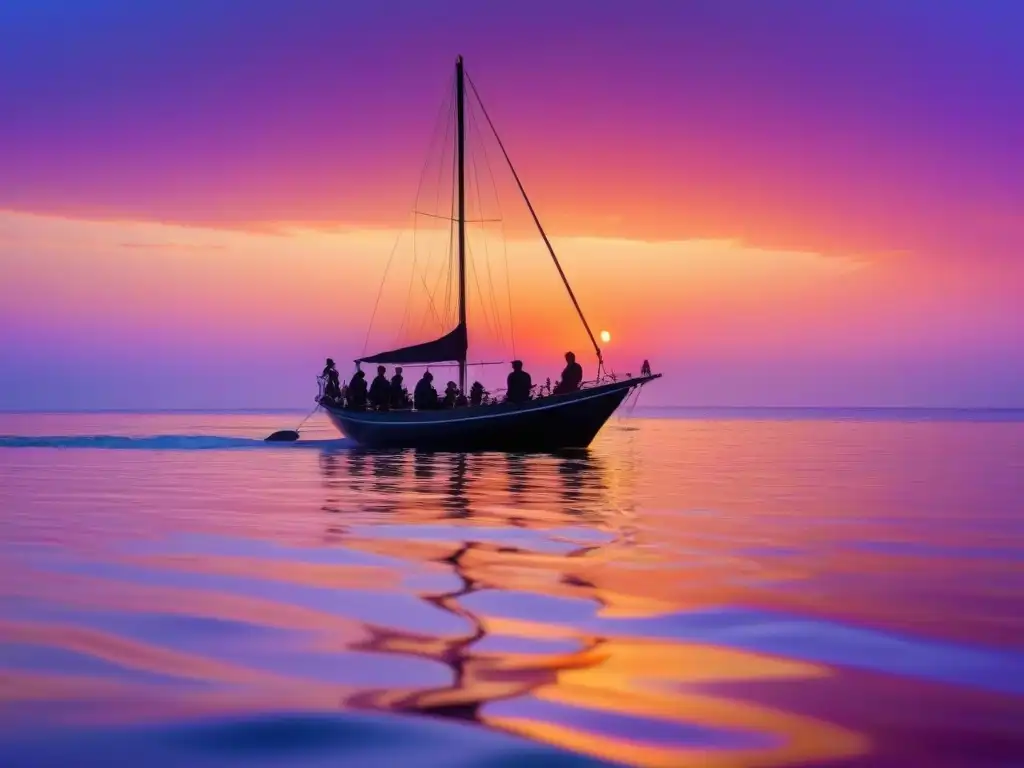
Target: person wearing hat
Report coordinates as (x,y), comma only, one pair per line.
(380,390)
(519,384)
(425,396)
(332,384)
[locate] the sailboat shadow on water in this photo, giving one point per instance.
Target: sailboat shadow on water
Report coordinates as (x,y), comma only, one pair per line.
(558,421)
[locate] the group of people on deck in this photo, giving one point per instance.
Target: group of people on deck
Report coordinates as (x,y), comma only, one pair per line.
(382,394)
(385,394)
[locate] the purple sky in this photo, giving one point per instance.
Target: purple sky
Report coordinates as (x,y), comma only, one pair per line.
(887,133)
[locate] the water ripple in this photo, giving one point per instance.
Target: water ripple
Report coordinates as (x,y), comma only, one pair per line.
(706,593)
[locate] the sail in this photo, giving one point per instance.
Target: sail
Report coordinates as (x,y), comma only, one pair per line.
(450,347)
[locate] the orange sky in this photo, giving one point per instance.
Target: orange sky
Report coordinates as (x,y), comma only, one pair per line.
(810,211)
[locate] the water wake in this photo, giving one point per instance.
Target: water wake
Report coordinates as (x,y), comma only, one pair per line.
(162,442)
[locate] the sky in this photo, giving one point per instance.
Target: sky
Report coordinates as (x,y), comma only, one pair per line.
(787,203)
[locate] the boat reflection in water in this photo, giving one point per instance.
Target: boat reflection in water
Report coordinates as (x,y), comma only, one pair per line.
(539,529)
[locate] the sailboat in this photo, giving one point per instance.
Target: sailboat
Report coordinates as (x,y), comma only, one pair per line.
(544,423)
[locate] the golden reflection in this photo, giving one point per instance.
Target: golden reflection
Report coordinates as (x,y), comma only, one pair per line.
(654,681)
(621,676)
(127,653)
(328,575)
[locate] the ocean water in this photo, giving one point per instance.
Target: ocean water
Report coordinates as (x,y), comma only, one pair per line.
(716,588)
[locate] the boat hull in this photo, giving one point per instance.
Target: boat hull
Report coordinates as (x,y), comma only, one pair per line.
(546,424)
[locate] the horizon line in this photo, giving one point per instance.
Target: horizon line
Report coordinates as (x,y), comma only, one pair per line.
(675,407)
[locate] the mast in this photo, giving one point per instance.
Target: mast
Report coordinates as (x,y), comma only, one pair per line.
(461,145)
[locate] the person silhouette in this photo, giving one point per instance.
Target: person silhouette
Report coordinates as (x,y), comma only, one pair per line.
(357,391)
(380,390)
(519,384)
(332,383)
(451,395)
(425,396)
(476,393)
(398,394)
(572,376)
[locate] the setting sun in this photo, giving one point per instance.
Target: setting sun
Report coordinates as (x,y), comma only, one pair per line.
(605,337)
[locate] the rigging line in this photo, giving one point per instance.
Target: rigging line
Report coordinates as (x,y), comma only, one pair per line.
(394,249)
(540,228)
(412,276)
(442,280)
(431,294)
(431,304)
(454,365)
(470,262)
(444,270)
(431,310)
(487,253)
(453,255)
(446,218)
(504,237)
(447,299)
(508,290)
(445,109)
(437,312)
(628,410)
(451,240)
(380,291)
(444,145)
(499,329)
(479,292)
(408,293)
(495,327)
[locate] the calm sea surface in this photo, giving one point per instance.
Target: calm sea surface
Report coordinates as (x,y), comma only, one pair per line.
(724,589)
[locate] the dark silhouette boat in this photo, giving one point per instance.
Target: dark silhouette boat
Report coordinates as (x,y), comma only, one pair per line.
(544,423)
(549,423)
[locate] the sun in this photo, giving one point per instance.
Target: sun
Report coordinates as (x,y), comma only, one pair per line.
(605,337)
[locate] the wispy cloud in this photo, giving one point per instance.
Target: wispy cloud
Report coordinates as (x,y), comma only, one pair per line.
(173,246)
